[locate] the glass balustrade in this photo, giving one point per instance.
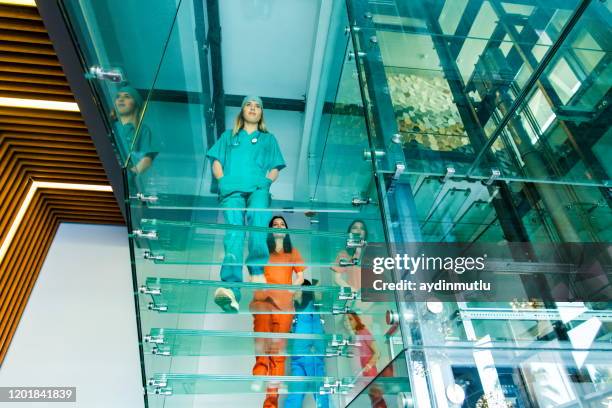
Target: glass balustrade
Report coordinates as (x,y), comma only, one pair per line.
(441,121)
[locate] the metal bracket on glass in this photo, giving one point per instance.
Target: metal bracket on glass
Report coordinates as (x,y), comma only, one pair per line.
(152,257)
(352,54)
(163,391)
(336,309)
(97,72)
(378,154)
(450,172)
(148,291)
(146,199)
(152,235)
(336,341)
(159,339)
(157,383)
(347,293)
(345,386)
(330,386)
(358,201)
(158,308)
(345,262)
(399,170)
(495,173)
(355,241)
(333,351)
(160,352)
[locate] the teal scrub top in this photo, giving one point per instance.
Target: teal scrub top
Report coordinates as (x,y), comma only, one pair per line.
(144,146)
(245,163)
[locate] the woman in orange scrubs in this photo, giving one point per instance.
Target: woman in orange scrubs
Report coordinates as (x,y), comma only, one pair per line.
(277,303)
(347,269)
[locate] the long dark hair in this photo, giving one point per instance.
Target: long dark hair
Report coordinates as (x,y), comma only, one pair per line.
(351,251)
(287,247)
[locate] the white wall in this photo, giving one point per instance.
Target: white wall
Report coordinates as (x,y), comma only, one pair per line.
(78,328)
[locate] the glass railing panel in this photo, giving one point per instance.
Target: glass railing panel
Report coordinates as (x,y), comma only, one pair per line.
(562,125)
(518,324)
(340,168)
(486,376)
(175,132)
(454,210)
(472,65)
(121,60)
(461,51)
(390,388)
(546,212)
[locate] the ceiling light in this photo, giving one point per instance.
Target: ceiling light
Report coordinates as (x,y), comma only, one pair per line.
(26,203)
(38,103)
(30,3)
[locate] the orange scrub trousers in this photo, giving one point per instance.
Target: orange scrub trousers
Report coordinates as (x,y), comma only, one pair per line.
(246,159)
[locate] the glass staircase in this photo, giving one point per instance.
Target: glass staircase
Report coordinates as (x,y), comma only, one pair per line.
(434,148)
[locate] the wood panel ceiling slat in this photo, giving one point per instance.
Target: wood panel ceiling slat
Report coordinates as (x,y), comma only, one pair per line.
(33,88)
(16,120)
(20,58)
(46,137)
(50,144)
(25,37)
(22,13)
(41,113)
(44,97)
(26,25)
(38,49)
(39,145)
(33,79)
(32,69)
(41,129)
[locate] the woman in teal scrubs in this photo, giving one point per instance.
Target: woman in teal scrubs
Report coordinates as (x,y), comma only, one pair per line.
(246,160)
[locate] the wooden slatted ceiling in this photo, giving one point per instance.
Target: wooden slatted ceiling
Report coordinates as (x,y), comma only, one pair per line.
(39,145)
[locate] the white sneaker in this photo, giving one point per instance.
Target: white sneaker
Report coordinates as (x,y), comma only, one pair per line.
(261,278)
(257,386)
(226,300)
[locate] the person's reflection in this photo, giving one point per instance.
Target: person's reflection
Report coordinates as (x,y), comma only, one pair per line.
(347,269)
(139,148)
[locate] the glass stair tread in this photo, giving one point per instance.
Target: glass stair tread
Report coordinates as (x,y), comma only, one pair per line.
(180,242)
(197,296)
(211,203)
(204,228)
(235,384)
(182,342)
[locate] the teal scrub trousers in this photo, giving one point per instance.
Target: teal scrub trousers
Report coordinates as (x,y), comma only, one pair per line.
(231,270)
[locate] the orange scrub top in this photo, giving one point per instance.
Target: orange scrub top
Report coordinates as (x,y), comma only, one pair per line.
(283,275)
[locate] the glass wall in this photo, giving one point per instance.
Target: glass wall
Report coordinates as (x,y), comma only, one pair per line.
(491,116)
